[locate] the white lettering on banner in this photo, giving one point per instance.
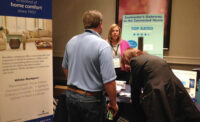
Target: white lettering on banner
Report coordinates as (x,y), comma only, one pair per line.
(26,1)
(18,5)
(33,7)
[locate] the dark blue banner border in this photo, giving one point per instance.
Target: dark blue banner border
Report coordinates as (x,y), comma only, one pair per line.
(26,8)
(43,119)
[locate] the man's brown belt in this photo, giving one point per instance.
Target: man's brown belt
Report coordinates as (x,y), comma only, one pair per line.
(77,90)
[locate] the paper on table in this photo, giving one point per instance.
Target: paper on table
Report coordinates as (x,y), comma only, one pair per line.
(121,84)
(126,94)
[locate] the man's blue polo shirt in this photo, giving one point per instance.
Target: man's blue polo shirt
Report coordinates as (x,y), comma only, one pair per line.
(88,59)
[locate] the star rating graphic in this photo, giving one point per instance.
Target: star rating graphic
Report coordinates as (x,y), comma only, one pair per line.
(140,34)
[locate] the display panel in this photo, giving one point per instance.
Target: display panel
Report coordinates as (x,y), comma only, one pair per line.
(131,7)
(188,79)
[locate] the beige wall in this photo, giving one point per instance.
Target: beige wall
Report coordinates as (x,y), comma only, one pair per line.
(185,32)
(185,25)
(67,19)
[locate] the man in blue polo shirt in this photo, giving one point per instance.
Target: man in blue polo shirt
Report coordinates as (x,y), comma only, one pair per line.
(88,65)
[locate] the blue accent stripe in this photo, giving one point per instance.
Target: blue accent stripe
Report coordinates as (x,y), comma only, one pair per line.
(43,119)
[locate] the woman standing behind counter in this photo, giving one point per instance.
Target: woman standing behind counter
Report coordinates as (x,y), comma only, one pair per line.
(118,46)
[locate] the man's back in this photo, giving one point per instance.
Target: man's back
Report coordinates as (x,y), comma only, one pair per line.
(88,66)
(86,53)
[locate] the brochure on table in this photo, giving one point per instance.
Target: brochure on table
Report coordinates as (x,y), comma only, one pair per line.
(26,87)
(122,89)
(148,28)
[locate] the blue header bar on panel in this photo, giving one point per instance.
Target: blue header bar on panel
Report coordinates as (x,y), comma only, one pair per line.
(27,8)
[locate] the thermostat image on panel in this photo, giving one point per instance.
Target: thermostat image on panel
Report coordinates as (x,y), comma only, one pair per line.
(192,83)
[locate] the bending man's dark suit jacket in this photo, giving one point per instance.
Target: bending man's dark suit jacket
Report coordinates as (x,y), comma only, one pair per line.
(164,98)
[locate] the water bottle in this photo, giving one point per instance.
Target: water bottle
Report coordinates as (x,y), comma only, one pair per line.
(110,114)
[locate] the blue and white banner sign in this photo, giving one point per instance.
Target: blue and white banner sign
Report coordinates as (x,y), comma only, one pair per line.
(144,30)
(27,8)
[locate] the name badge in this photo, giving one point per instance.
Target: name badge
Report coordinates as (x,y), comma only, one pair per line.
(116,62)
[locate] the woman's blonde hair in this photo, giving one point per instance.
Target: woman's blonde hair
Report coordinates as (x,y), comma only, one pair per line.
(128,54)
(110,33)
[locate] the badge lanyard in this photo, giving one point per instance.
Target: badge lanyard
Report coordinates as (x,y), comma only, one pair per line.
(116,60)
(114,49)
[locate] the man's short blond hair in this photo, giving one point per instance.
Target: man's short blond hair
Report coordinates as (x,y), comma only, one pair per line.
(92,18)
